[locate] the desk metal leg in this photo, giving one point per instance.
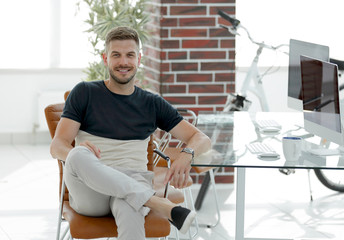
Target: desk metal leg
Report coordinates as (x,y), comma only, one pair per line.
(240,208)
(202,191)
(240,204)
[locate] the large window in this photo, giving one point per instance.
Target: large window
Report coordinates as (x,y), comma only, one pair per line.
(75,48)
(43,34)
(50,33)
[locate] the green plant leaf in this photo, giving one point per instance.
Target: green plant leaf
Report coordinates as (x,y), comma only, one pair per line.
(105,15)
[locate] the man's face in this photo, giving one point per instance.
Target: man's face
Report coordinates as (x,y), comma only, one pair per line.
(122,59)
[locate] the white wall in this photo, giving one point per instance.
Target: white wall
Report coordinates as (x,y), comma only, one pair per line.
(275,22)
(275,86)
(19,100)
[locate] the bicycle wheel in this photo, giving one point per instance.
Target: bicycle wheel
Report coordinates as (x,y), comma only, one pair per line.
(332,179)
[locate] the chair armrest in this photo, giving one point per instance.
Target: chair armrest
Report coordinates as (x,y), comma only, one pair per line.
(165,157)
(161,154)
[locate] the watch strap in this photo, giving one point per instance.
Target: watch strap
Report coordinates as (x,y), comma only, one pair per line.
(189,151)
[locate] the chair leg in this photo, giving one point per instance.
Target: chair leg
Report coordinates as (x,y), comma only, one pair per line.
(212,179)
(177,233)
(65,233)
(188,194)
(59,221)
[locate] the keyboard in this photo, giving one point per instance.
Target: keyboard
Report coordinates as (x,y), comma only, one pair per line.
(268,124)
(258,147)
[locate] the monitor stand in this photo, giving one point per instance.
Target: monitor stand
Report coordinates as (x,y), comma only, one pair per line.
(323,149)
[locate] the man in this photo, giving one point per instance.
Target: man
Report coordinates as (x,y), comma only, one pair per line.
(111,122)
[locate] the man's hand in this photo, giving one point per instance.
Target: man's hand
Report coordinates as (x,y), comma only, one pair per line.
(194,139)
(91,147)
(179,173)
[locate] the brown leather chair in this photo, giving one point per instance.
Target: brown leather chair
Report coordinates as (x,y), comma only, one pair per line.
(83,227)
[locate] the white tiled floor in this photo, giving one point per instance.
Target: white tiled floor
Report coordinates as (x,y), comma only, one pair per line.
(277,206)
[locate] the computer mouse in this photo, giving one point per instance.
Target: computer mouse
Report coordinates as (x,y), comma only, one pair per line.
(269,155)
(270,130)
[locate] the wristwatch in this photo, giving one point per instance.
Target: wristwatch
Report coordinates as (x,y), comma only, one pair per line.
(189,151)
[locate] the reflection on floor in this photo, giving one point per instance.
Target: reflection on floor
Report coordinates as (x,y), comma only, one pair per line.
(277,206)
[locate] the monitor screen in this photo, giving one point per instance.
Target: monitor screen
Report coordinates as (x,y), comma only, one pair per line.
(296,49)
(321,101)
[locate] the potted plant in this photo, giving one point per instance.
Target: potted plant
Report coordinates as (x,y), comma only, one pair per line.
(105,15)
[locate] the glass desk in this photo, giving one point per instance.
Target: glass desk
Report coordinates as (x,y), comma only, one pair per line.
(230,132)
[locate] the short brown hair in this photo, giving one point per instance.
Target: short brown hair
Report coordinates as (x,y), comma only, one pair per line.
(122,33)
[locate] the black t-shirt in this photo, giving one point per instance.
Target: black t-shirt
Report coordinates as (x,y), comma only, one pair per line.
(122,117)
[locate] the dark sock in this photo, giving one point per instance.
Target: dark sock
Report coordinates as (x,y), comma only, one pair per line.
(182,218)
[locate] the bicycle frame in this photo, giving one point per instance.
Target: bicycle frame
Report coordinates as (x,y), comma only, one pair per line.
(257,88)
(253,73)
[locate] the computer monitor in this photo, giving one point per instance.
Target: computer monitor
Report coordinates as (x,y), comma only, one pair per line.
(321,99)
(296,49)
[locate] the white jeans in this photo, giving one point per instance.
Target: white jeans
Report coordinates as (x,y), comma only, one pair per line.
(96,190)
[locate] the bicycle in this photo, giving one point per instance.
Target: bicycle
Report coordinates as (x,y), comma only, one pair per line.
(239,102)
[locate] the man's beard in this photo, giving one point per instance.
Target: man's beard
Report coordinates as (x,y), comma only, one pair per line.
(121,81)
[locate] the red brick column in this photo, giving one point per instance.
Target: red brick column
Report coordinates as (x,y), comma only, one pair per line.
(190,59)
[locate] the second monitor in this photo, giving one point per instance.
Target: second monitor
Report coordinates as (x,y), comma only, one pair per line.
(321,99)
